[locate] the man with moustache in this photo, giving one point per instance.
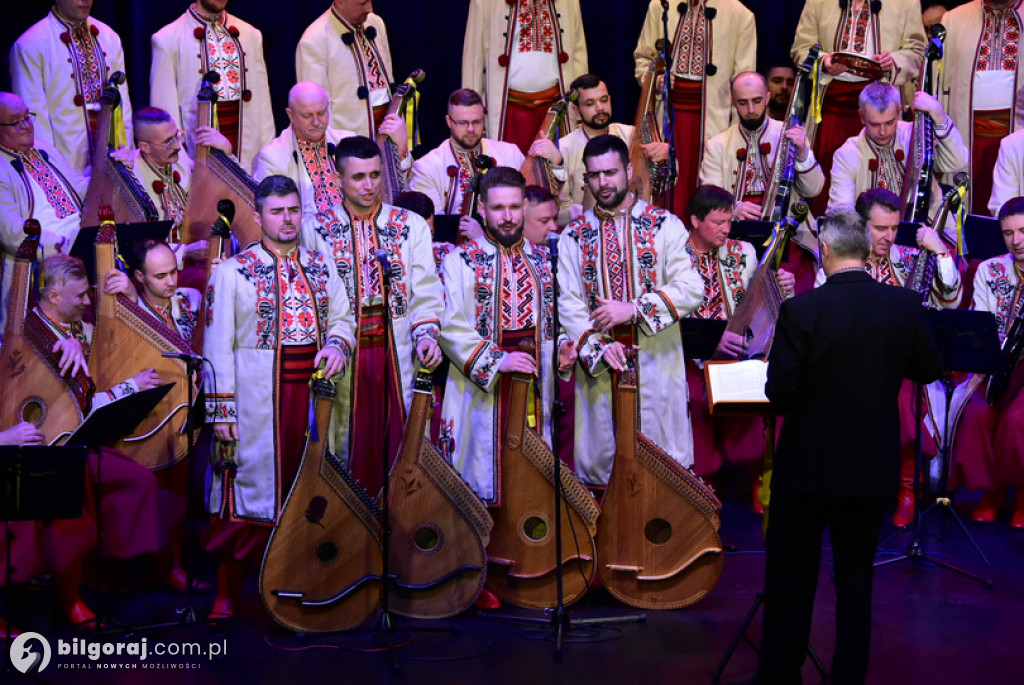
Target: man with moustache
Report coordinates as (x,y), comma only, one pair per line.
(59,67)
(780,87)
(444,173)
(481,334)
(206,38)
(390,344)
(303,151)
(346,51)
(625,280)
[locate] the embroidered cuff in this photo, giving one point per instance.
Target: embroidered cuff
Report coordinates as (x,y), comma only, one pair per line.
(428,328)
(590,351)
(483,364)
(942,130)
(657,312)
(806,165)
(339,343)
(221,409)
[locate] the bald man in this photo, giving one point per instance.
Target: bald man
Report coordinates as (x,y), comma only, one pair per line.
(304,150)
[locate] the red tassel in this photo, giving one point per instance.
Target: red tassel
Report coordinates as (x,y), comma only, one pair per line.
(741,154)
(563,57)
(246,95)
(158,186)
(94,30)
(65,38)
(453,171)
(199,33)
(899,155)
(176,176)
(233,30)
(873,165)
(503,61)
(79,100)
(766,148)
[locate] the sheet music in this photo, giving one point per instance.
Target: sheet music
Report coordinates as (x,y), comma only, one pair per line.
(737,381)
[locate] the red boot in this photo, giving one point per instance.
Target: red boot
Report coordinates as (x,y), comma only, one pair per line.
(230,575)
(487,600)
(1018,515)
(67,585)
(987,509)
(904,515)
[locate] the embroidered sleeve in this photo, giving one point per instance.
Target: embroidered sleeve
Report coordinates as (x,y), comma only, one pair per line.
(219,344)
(947,285)
(475,356)
(427,294)
(681,288)
(590,351)
(122,389)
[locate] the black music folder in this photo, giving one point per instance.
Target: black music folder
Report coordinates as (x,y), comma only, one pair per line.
(701,337)
(113,421)
(41,482)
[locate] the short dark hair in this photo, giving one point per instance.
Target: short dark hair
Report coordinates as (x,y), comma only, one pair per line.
(464,97)
(150,115)
(585,82)
(1011,207)
(417,202)
(876,197)
(274,186)
(537,195)
(359,147)
(604,143)
(708,198)
(137,259)
(501,177)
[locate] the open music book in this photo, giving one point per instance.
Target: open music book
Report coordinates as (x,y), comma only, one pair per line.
(736,387)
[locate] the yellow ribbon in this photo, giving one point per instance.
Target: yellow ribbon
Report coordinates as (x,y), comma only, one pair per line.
(816,91)
(409,114)
(213,124)
(117,135)
(961,216)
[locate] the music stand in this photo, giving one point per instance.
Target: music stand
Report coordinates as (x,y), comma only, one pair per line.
(757,233)
(446,228)
(983,238)
(968,342)
(37,483)
(701,336)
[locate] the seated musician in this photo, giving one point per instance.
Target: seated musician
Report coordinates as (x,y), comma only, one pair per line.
(303,152)
(540,216)
(726,267)
(988,449)
(781,78)
(444,173)
(893,264)
(35,183)
(259,438)
(594,107)
(1008,174)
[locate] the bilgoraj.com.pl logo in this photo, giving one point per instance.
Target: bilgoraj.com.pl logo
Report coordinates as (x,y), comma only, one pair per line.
(31,653)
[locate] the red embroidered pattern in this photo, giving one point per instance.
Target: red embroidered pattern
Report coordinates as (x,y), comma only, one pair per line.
(482,264)
(466,172)
(614,259)
(857,27)
(88,57)
(536,26)
(63,203)
(223,57)
(1000,37)
(690,56)
(1006,289)
(706,263)
(298,318)
(518,291)
(754,166)
(173,197)
(325,185)
(887,171)
(881,269)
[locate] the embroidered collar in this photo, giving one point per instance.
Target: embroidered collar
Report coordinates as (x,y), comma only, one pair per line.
(370,216)
(626,209)
(291,255)
(67,22)
(14,153)
(220,18)
(166,312)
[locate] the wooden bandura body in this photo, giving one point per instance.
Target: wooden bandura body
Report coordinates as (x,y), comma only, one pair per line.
(127,341)
(113,184)
(537,170)
(322,568)
(650,179)
(33,388)
(915,198)
(657,538)
(482,163)
(521,553)
(391,177)
(439,527)
(220,246)
(217,176)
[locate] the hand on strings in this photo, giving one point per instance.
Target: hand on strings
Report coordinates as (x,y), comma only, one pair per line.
(831,68)
(747,211)
(923,102)
(393,126)
(148,379)
(333,359)
(886,60)
(611,313)
(928,239)
(71,359)
(732,345)
(429,353)
(546,148)
(197,250)
(656,152)
(615,356)
(225,432)
(787,282)
(518,362)
(798,137)
(469,228)
(124,155)
(211,137)
(566,356)
(23,433)
(117,283)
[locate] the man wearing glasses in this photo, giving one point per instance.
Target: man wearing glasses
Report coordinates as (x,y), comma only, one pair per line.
(35,183)
(444,174)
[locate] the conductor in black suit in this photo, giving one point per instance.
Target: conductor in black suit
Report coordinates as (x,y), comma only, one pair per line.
(839,356)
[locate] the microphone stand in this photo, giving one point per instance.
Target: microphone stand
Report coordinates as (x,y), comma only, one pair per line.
(385,624)
(668,130)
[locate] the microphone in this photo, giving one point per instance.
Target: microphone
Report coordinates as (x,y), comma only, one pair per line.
(553,245)
(225,215)
(381,256)
(183,356)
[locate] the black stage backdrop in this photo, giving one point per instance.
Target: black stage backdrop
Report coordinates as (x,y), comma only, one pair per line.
(425,34)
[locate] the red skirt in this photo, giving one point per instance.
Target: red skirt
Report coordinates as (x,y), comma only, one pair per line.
(840,120)
(974,458)
(524,115)
(228,122)
(687,102)
(989,130)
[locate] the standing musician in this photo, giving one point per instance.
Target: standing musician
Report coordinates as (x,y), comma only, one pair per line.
(839,356)
(444,173)
(35,183)
(520,54)
(346,51)
(893,264)
(206,38)
(58,66)
(875,157)
(781,79)
(889,33)
(725,267)
(981,84)
(373,400)
(277,312)
(303,151)
(711,43)
(625,280)
(1008,174)
(988,451)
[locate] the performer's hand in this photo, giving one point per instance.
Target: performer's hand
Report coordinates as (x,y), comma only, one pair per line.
(334,360)
(747,211)
(71,358)
(929,240)
(656,152)
(798,137)
(615,356)
(23,433)
(225,432)
(611,313)
(575,211)
(429,352)
(923,102)
(393,126)
(211,137)
(659,83)
(125,155)
(831,68)
(546,148)
(518,362)
(197,250)
(886,60)
(732,345)
(148,379)
(786,281)
(469,228)
(566,356)
(216,261)
(116,282)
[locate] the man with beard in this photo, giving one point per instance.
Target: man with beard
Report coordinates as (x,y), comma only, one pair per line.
(391,342)
(481,334)
(780,87)
(595,109)
(444,173)
(206,38)
(625,280)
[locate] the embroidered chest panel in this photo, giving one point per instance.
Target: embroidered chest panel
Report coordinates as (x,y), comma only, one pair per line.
(1001,280)
(1000,40)
(537,26)
(510,284)
(692,42)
